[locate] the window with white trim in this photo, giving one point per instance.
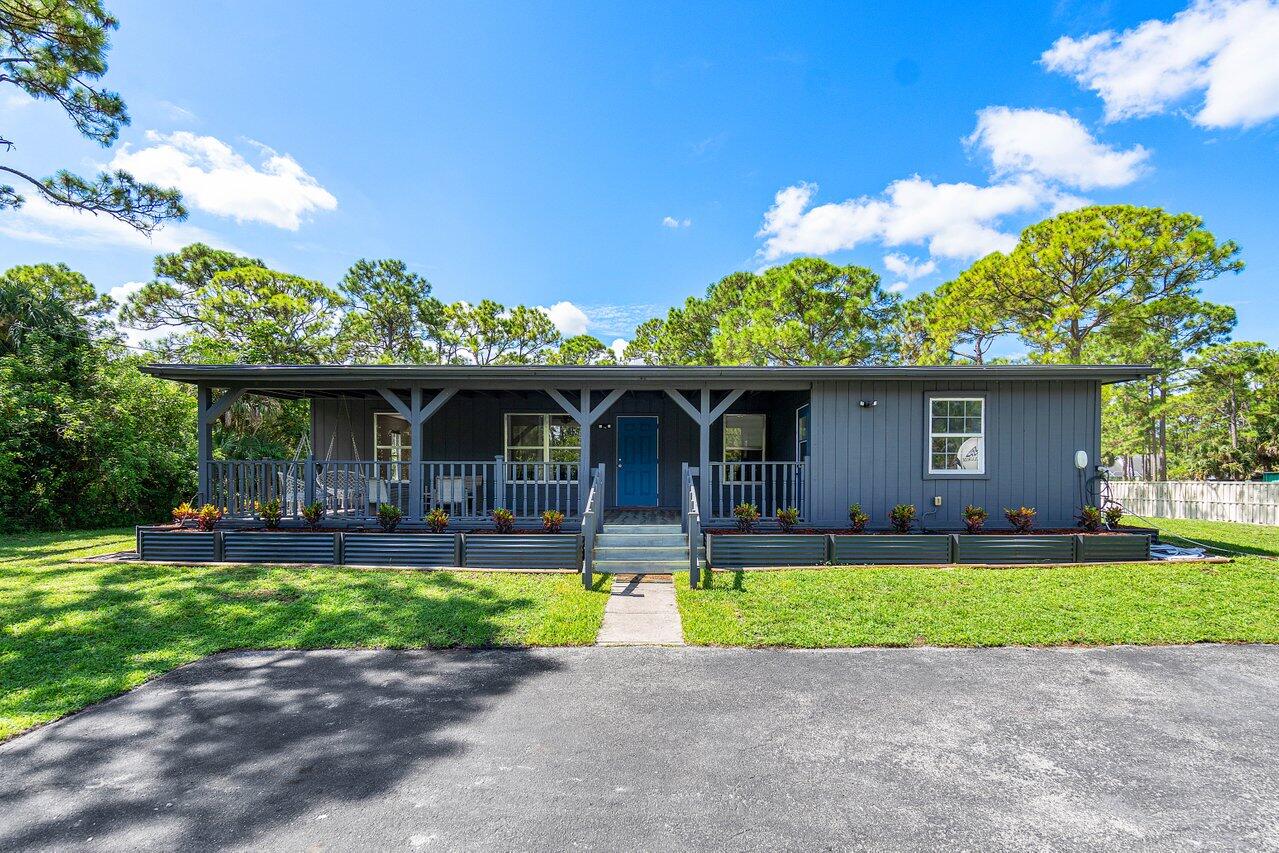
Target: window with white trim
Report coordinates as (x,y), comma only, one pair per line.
(392,442)
(743,442)
(956,435)
(542,438)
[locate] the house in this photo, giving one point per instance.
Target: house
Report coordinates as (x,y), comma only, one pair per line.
(471,439)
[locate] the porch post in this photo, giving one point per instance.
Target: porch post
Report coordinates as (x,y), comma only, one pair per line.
(704,453)
(584,461)
(204,438)
(415,452)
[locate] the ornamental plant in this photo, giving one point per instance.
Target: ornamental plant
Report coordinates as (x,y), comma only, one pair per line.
(388,517)
(503,520)
(208,516)
(1114,515)
(787,518)
(552,520)
(313,514)
(857,519)
(185,512)
(269,512)
(1022,518)
(901,517)
(437,520)
(974,518)
(746,514)
(1090,518)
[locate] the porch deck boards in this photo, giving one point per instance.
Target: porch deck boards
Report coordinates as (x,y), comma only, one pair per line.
(641,516)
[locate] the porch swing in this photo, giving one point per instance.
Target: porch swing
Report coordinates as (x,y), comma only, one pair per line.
(343,490)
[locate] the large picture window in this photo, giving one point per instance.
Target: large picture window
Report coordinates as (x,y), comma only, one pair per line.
(392,442)
(542,438)
(956,435)
(743,442)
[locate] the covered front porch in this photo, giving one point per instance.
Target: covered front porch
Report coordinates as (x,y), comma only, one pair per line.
(524,439)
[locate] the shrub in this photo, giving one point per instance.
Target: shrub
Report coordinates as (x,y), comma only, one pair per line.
(313,514)
(388,517)
(787,518)
(438,520)
(901,517)
(746,514)
(503,520)
(208,516)
(269,512)
(1021,518)
(974,518)
(185,512)
(857,519)
(552,520)
(1090,519)
(1114,515)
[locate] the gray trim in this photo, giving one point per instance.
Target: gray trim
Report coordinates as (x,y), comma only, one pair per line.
(315,377)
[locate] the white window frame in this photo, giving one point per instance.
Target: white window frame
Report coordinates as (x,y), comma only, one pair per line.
(980,470)
(399,467)
(546,442)
(729,476)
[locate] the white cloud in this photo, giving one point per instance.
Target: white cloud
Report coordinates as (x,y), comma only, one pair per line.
(958,220)
(672,222)
(1224,51)
(1053,146)
(215,178)
(619,348)
(177,112)
(897,287)
(567,317)
(134,337)
(908,268)
(41,222)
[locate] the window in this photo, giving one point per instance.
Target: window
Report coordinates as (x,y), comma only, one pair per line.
(392,442)
(956,435)
(743,442)
(803,432)
(542,438)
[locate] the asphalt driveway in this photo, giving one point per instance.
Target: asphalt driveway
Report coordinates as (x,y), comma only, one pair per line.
(631,748)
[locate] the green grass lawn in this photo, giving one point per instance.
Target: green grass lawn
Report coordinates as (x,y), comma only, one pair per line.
(1248,538)
(1140,603)
(74,633)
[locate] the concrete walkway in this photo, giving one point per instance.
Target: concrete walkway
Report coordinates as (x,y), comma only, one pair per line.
(641,614)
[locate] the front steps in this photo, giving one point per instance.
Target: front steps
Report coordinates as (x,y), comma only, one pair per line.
(640,549)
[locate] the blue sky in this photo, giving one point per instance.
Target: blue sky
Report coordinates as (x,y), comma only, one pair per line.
(620,158)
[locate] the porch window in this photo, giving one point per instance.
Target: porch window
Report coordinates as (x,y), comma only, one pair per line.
(743,442)
(542,438)
(956,435)
(392,442)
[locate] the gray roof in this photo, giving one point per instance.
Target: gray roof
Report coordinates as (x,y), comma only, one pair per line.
(333,376)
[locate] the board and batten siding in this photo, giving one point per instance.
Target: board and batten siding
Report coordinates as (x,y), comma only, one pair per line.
(876,456)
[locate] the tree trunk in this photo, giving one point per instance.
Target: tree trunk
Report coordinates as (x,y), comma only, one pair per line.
(1163,428)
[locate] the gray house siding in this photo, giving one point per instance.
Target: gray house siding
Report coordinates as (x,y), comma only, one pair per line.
(470,428)
(875,456)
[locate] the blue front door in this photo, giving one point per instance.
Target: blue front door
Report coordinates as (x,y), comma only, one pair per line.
(636,461)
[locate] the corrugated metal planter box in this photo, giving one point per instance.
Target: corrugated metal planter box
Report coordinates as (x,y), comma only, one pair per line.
(890,549)
(256,546)
(179,545)
(400,549)
(1112,548)
(522,551)
(1027,548)
(740,551)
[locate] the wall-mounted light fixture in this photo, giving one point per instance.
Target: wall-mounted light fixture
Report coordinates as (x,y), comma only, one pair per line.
(868,404)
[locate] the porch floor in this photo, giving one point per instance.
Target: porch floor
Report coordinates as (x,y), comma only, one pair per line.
(641,516)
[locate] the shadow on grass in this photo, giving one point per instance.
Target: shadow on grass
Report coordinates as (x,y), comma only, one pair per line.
(1223,547)
(711,580)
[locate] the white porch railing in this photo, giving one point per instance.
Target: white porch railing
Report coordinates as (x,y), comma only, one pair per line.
(770,486)
(353,488)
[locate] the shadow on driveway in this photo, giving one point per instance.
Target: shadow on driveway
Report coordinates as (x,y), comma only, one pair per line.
(220,751)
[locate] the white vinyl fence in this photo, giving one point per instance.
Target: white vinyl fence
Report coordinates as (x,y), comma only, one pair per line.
(1251,503)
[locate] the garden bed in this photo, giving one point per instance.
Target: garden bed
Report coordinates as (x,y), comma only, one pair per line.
(731,550)
(891,549)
